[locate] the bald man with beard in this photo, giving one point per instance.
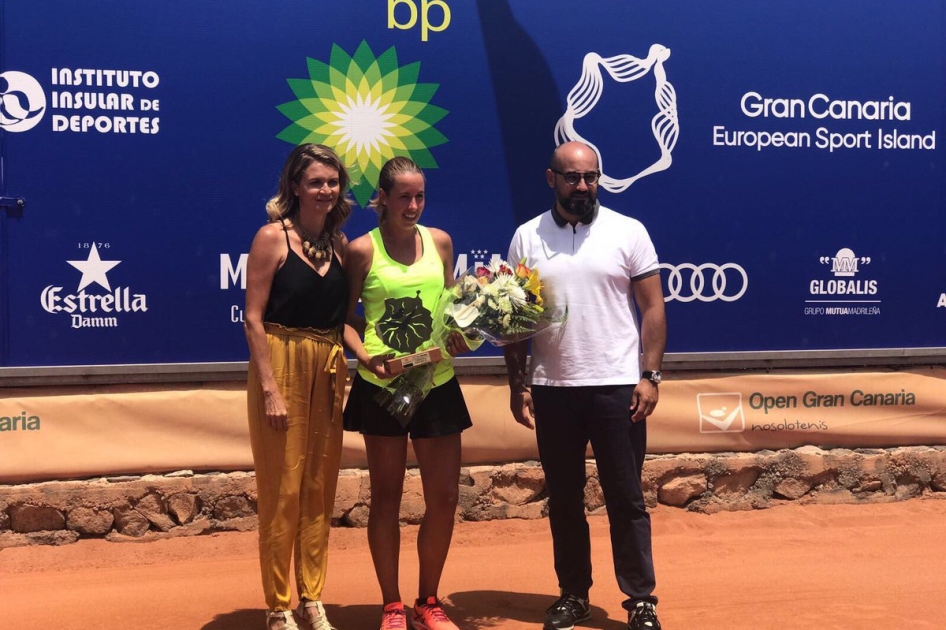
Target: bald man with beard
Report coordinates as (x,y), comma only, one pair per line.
(593,380)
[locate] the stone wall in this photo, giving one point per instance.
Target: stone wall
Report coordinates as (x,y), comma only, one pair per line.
(187,504)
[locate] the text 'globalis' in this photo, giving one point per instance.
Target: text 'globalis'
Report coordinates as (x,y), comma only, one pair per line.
(843,287)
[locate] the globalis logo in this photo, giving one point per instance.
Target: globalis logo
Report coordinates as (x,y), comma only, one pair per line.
(93,310)
(844,265)
(22,101)
(845,294)
(368,109)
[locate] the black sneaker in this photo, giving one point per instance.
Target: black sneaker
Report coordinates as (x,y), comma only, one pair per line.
(566,612)
(643,617)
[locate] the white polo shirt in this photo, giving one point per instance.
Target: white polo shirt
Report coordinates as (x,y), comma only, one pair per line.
(591,269)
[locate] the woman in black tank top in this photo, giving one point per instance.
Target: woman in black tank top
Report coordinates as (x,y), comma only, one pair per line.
(300,297)
(296,301)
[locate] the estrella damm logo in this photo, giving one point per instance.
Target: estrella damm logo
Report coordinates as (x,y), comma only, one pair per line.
(368,109)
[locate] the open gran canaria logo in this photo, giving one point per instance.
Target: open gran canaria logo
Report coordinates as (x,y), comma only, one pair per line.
(368,109)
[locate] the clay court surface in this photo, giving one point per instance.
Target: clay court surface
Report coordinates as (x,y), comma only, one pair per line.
(817,566)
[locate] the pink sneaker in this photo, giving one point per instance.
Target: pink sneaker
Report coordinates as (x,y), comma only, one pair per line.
(429,615)
(394,617)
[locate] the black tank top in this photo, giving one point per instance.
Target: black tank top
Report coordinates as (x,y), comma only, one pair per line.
(301,298)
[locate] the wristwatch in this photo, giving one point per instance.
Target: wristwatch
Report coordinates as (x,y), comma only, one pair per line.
(653,376)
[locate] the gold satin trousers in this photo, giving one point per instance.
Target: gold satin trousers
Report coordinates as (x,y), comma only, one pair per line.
(297,470)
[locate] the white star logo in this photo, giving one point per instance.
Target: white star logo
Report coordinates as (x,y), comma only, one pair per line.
(93,269)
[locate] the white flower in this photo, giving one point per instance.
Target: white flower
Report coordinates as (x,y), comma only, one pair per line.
(495,265)
(464,314)
(508,286)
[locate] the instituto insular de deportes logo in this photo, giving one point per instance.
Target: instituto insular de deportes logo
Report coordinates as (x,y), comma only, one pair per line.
(82,100)
(369,109)
(22,101)
(88,308)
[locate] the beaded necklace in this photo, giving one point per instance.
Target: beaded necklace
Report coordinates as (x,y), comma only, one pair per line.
(315,249)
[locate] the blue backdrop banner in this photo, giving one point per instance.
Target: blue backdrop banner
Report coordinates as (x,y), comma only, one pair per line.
(786,158)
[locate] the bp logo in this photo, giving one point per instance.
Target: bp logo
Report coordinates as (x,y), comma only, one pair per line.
(368,109)
(22,101)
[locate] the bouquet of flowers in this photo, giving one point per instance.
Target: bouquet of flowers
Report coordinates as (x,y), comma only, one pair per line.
(499,303)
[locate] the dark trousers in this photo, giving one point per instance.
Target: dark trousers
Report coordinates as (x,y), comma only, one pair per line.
(566,419)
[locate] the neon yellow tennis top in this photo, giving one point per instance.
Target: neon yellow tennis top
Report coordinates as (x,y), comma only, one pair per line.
(400,302)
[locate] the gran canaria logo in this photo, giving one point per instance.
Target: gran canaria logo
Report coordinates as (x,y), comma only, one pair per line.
(368,109)
(583,97)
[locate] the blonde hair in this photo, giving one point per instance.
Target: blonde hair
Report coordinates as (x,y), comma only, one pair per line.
(285,205)
(391,170)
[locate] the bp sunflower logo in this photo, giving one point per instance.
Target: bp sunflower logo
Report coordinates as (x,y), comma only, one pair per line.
(368,109)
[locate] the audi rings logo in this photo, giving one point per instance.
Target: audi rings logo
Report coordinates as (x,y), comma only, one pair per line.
(707,282)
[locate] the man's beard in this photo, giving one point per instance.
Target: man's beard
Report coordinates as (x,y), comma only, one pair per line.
(578,206)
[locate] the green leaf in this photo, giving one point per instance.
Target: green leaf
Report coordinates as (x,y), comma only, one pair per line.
(363,57)
(318,71)
(302,88)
